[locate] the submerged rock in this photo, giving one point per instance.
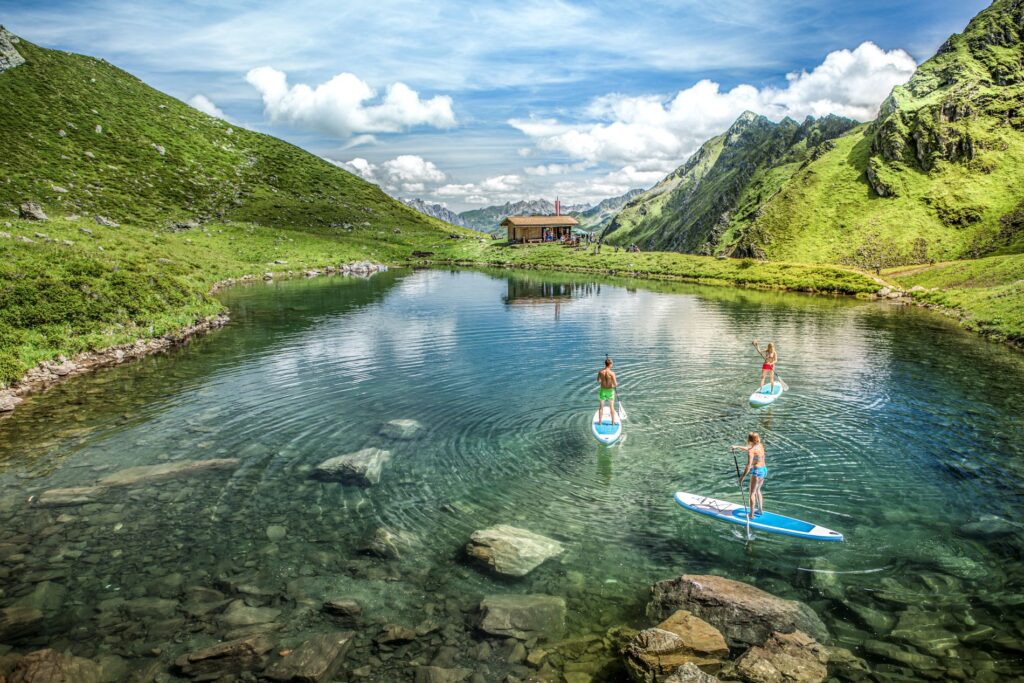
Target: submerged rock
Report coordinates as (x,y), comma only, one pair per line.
(690,673)
(401,429)
(77,495)
(317,660)
(436,674)
(745,614)
(18,621)
(396,633)
(344,609)
(362,467)
(224,659)
(511,551)
(240,614)
(147,474)
(522,616)
(681,639)
(790,657)
(387,544)
(51,666)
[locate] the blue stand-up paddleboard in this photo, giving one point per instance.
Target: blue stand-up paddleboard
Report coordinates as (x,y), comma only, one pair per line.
(603,429)
(768,521)
(765,395)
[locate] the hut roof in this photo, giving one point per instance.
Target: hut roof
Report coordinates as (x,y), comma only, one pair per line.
(542,221)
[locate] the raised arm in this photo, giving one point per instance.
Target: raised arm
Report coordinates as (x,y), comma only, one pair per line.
(758,347)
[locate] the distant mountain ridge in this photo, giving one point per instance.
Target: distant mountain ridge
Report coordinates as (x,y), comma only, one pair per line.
(437,211)
(598,216)
(488,219)
(937,176)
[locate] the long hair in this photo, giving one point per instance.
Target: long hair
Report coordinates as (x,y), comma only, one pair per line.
(770,350)
(753,438)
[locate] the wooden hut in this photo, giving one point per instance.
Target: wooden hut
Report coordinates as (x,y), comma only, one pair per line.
(539,228)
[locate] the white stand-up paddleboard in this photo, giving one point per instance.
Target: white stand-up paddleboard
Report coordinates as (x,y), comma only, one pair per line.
(767,521)
(765,395)
(603,429)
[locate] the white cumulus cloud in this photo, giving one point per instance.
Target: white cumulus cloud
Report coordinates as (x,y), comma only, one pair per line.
(406,173)
(344,105)
(649,129)
(205,105)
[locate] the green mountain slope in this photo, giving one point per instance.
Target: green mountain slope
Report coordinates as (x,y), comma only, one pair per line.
(729,176)
(81,136)
(597,217)
(939,175)
(197,200)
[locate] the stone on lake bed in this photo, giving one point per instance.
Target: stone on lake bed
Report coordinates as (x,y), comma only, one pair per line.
(276,532)
(362,467)
(225,659)
(746,615)
(51,666)
(76,495)
(396,633)
(690,673)
(511,551)
(150,473)
(403,430)
(18,621)
(240,614)
(343,608)
(436,674)
(523,616)
(681,639)
(791,657)
(318,660)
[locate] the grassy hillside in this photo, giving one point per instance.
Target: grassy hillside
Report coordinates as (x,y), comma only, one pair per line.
(938,176)
(725,181)
(81,136)
(987,294)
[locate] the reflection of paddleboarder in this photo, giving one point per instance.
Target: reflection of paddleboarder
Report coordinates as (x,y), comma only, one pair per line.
(606,394)
(757,469)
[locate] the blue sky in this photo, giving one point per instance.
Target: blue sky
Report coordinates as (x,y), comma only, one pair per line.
(477,102)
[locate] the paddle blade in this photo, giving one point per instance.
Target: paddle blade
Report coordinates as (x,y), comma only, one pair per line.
(785,387)
(622,410)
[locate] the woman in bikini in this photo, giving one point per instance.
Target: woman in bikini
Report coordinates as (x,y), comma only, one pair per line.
(770,359)
(757,469)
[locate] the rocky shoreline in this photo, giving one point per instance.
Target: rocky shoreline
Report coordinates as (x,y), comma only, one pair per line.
(51,372)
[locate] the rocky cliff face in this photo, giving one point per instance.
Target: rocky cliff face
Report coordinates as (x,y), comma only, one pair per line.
(694,206)
(934,118)
(9,55)
(435,210)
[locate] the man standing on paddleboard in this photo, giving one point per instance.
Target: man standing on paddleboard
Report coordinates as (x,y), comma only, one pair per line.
(608,381)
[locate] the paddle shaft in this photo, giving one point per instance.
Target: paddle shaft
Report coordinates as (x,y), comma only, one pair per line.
(739,480)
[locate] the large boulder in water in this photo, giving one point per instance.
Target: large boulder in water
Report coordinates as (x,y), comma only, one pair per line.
(522,616)
(785,657)
(51,666)
(745,614)
(362,467)
(655,653)
(511,551)
(18,621)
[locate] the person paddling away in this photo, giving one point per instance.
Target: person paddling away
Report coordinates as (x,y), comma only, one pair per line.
(757,470)
(608,381)
(770,359)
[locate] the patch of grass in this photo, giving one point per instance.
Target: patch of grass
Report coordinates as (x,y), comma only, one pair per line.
(987,294)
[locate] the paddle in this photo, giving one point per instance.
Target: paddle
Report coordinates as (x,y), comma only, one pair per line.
(619,405)
(739,480)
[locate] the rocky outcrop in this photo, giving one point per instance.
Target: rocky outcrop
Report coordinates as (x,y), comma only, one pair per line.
(362,468)
(31,211)
(225,659)
(745,614)
(437,211)
(511,551)
(655,653)
(51,666)
(9,55)
(318,660)
(522,616)
(785,658)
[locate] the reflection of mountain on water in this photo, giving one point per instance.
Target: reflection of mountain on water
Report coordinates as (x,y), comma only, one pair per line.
(532,291)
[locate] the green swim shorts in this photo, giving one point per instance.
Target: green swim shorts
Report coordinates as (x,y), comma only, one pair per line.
(606,394)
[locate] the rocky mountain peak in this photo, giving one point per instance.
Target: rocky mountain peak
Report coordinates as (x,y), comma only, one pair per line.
(9,55)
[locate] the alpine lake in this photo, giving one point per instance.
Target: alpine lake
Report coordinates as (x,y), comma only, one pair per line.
(899,430)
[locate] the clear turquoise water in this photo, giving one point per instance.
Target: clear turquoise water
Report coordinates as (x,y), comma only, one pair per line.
(900,431)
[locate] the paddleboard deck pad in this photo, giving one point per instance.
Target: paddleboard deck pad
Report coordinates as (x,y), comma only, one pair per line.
(765,395)
(602,428)
(768,521)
